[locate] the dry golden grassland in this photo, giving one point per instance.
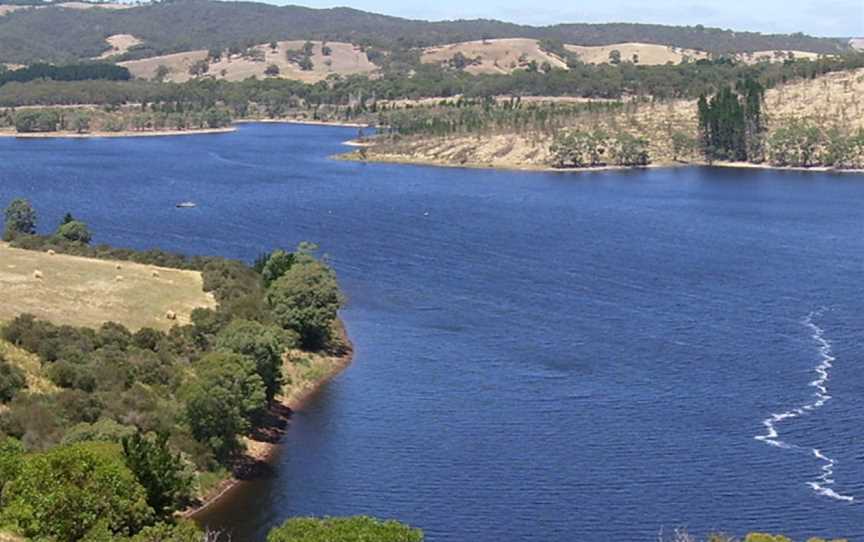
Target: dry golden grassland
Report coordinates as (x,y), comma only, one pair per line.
(120,44)
(495,56)
(343,59)
(86,292)
(645,54)
(509,55)
(836,98)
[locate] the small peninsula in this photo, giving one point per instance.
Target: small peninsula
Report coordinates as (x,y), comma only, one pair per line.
(184,370)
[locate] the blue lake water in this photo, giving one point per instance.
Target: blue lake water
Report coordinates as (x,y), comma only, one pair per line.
(539,357)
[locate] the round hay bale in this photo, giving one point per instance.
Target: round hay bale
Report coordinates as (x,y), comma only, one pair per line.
(171,315)
(118,278)
(118,267)
(156,274)
(38,275)
(51,252)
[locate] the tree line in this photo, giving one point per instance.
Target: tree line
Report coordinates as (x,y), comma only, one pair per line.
(68,72)
(362,93)
(84,120)
(54,34)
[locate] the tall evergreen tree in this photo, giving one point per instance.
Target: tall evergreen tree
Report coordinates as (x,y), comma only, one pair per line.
(731,122)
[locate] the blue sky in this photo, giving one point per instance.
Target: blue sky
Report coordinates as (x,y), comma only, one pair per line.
(818,17)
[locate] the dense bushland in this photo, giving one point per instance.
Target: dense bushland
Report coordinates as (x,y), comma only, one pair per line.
(68,72)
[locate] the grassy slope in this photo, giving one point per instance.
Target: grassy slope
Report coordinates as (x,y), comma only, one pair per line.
(344,59)
(86,292)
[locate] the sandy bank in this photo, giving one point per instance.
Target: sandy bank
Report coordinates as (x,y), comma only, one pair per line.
(358,143)
(123,133)
(422,161)
(263,445)
(399,159)
(814,169)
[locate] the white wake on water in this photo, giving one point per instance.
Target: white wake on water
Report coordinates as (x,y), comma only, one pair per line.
(821,396)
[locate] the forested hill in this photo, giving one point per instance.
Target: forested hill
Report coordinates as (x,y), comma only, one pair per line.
(57,34)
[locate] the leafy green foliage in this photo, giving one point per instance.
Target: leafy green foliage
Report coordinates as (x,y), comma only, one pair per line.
(12,380)
(223,401)
(731,122)
(37,121)
(71,72)
(103,430)
(350,529)
(92,476)
(11,459)
(306,299)
(173,104)
(181,531)
(581,148)
(20,219)
(199,387)
(277,264)
(160,471)
(803,143)
(262,343)
(75,232)
(79,122)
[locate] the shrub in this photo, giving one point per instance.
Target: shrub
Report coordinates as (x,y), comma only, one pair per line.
(350,529)
(12,380)
(11,458)
(92,476)
(75,232)
(104,430)
(229,280)
(182,531)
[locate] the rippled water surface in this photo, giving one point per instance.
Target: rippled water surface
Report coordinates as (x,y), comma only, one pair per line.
(539,357)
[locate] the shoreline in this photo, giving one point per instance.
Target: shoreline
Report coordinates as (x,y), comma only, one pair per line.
(309,122)
(403,160)
(265,443)
(120,134)
(170,133)
(814,169)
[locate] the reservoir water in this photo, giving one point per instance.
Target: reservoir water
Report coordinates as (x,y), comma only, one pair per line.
(540,357)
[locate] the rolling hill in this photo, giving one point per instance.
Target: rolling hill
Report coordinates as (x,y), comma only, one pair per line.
(64,34)
(340,58)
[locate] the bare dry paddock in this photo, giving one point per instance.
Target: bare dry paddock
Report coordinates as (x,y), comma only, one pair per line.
(85,292)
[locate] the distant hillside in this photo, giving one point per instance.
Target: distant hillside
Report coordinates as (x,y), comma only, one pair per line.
(62,34)
(334,57)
